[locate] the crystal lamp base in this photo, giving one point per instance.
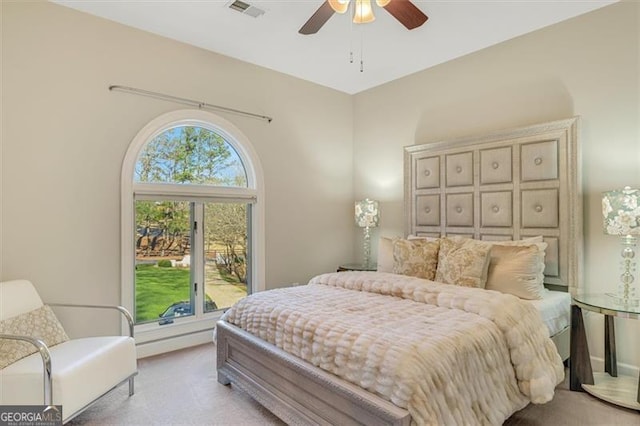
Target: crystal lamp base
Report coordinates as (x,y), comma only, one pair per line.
(624,301)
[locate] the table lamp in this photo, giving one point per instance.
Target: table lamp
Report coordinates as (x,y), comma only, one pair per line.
(621,212)
(367,216)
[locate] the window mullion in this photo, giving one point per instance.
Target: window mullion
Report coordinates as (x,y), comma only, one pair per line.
(197,253)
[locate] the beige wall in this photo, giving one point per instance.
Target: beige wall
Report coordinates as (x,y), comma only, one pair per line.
(588,66)
(64,137)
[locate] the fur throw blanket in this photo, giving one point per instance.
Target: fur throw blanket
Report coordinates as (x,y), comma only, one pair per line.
(447,354)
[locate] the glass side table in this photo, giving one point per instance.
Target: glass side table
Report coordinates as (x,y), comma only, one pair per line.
(609,386)
(356,267)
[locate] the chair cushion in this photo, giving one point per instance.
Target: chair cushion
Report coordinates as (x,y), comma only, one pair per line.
(83,370)
(39,323)
(17,297)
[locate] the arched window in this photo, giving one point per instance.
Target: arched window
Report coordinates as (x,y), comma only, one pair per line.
(192,225)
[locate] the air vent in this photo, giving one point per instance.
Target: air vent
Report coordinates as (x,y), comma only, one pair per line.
(246,8)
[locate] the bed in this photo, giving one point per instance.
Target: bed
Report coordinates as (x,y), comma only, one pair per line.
(323,365)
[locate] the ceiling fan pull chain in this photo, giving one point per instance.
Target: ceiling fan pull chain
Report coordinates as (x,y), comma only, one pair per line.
(351,34)
(361,49)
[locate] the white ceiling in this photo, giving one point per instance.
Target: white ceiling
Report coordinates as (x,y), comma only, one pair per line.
(390,51)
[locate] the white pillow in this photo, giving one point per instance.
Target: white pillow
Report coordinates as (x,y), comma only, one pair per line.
(517,267)
(523,242)
(385,254)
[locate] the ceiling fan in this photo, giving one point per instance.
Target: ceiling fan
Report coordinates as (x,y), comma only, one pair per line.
(403,10)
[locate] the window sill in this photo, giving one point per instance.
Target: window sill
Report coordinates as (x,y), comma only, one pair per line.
(153,332)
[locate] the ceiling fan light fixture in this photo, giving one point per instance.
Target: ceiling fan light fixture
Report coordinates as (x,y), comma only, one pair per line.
(363,12)
(404,11)
(339,6)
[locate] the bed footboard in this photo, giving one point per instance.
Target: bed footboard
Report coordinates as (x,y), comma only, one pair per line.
(294,390)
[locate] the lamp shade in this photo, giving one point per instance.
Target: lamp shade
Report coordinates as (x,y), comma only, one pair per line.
(363,12)
(621,211)
(339,6)
(367,214)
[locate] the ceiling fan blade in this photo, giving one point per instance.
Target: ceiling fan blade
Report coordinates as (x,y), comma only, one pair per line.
(317,20)
(407,13)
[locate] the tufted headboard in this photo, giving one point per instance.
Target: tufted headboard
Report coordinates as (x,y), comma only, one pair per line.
(510,184)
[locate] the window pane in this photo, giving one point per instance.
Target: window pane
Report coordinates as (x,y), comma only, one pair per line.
(190,155)
(225,246)
(163,266)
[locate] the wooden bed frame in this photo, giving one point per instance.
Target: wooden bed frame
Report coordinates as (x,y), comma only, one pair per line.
(452,187)
(294,390)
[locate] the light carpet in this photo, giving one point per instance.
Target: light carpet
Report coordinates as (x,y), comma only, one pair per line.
(181,388)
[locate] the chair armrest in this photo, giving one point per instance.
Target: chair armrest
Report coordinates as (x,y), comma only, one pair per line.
(122,310)
(46,362)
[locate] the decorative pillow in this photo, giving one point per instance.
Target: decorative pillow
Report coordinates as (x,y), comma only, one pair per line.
(517,267)
(40,323)
(422,237)
(523,242)
(463,261)
(385,254)
(416,258)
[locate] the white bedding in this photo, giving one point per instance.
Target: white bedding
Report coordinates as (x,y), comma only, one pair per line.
(555,309)
(448,354)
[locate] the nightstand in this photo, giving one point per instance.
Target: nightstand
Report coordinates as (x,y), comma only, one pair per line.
(609,386)
(356,267)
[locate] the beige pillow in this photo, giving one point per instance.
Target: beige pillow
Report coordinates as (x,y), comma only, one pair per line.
(463,261)
(416,258)
(385,254)
(523,242)
(40,323)
(517,267)
(421,237)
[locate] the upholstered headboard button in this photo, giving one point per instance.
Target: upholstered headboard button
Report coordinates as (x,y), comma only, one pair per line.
(539,161)
(496,209)
(428,173)
(540,208)
(460,209)
(428,210)
(495,165)
(459,169)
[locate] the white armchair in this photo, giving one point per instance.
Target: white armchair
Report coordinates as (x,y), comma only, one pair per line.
(73,373)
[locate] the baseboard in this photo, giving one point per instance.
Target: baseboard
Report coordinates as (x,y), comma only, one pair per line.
(157,347)
(625,369)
